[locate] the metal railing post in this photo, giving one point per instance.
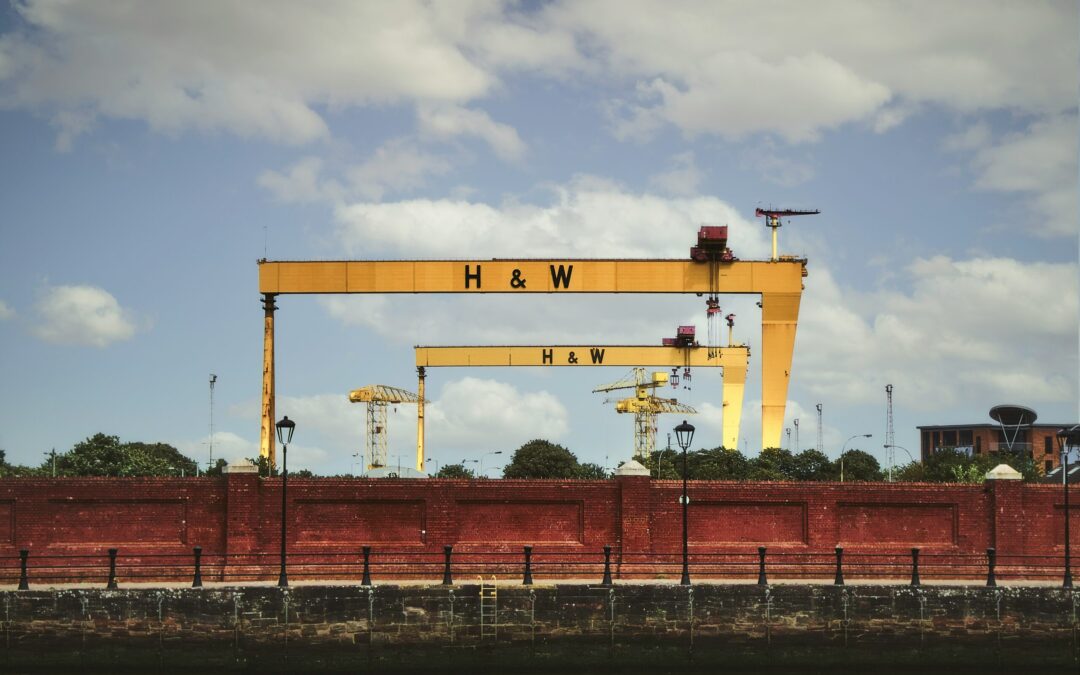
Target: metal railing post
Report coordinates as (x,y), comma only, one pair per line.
(112,568)
(991,554)
(447,579)
(24,580)
(914,566)
(607,567)
(197,581)
(761,580)
(366,581)
(839,580)
(528,567)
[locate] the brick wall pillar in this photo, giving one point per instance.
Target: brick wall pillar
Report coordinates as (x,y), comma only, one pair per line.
(634,493)
(1007,519)
(242,515)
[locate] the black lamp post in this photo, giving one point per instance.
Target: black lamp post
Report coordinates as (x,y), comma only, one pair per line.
(1067,438)
(284,434)
(684,433)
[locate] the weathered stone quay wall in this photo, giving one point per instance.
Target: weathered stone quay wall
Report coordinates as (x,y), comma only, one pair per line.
(552,627)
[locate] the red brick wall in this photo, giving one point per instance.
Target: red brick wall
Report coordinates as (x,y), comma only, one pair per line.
(240,513)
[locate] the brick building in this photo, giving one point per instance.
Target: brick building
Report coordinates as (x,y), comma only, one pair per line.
(1039,440)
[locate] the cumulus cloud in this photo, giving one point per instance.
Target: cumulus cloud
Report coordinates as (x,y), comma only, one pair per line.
(397,166)
(966,331)
(82,315)
(465,417)
(450,121)
(682,177)
(252,70)
(268,70)
(6,312)
(302,182)
(577,221)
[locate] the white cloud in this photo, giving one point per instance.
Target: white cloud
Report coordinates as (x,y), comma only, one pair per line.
(303,182)
(473,413)
(6,312)
(468,414)
(1040,162)
(578,220)
(82,315)
(709,67)
(976,331)
(252,70)
(450,121)
(267,70)
(397,166)
(682,177)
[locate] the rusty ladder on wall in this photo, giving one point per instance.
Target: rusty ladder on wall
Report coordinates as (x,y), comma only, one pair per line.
(489,608)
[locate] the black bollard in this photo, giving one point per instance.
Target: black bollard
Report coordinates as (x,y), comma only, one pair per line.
(914,567)
(839,580)
(991,554)
(607,567)
(447,579)
(528,567)
(761,580)
(112,569)
(366,581)
(197,581)
(24,581)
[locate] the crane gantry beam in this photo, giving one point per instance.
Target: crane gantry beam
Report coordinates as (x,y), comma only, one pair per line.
(734,360)
(779,282)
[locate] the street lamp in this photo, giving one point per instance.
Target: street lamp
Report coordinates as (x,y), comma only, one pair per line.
(844,450)
(432,459)
(900,447)
(284,434)
(494,452)
(1067,438)
(684,433)
(464,461)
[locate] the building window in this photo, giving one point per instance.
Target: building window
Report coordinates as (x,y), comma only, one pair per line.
(978,445)
(1048,445)
(1049,466)
(948,438)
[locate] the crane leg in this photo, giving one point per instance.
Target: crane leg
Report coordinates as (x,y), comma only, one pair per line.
(266,430)
(779,319)
(420,420)
(734,384)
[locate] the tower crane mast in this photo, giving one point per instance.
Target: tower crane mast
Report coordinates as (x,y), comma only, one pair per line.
(378,397)
(645,406)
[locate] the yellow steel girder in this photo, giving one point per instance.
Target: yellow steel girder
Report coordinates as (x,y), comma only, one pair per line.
(779,282)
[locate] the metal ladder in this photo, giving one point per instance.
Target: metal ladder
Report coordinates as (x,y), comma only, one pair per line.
(489,610)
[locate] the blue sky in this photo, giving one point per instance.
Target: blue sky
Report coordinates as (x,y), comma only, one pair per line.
(152,153)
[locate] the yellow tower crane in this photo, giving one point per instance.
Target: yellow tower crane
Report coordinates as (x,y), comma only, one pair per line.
(645,406)
(377,397)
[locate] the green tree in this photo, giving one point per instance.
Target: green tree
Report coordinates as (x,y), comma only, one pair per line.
(104,455)
(665,464)
(590,471)
(811,465)
(773,464)
(542,459)
(718,464)
(8,470)
(859,465)
(455,471)
(217,470)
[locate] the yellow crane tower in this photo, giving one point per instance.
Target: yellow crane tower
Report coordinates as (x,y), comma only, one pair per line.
(645,406)
(377,397)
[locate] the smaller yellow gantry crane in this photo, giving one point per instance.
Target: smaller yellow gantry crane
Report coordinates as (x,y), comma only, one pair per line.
(645,406)
(378,397)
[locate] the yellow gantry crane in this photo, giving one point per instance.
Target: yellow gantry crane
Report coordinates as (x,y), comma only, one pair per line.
(378,397)
(645,406)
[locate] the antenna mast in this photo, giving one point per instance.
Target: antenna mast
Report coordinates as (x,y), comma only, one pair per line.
(889,437)
(820,444)
(213,379)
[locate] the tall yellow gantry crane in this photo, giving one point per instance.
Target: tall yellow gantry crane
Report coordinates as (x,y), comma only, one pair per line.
(378,397)
(779,282)
(734,360)
(645,406)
